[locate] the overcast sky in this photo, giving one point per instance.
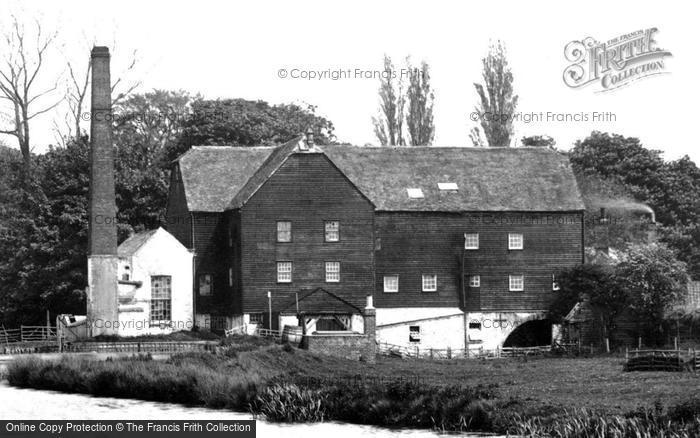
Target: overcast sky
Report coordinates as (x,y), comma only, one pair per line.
(227,49)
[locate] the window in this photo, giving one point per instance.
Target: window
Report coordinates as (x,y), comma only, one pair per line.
(230,276)
(414,333)
(474,325)
(126,276)
(429,283)
(555,283)
(474,281)
(516,282)
(391,283)
(284,272)
(471,240)
(161,295)
(256,318)
(332,229)
(415,193)
(332,272)
(448,186)
(284,231)
(515,241)
(205,283)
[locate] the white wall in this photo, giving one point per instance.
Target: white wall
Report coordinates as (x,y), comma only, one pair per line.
(439,327)
(162,254)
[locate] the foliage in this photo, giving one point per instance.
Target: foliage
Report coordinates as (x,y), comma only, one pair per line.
(420,97)
(595,285)
(388,125)
(544,141)
(240,122)
(655,281)
(497,101)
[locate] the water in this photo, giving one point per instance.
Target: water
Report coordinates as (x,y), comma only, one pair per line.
(32,404)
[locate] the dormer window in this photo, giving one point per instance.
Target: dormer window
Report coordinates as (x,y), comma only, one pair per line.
(415,193)
(448,187)
(126,276)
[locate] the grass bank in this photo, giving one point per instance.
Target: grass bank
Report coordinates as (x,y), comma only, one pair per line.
(549,396)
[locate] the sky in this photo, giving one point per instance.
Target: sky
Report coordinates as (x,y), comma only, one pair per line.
(227,49)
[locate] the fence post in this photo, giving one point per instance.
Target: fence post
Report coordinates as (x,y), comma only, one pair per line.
(449,353)
(626,355)
(431,352)
(607,345)
(675,343)
(639,343)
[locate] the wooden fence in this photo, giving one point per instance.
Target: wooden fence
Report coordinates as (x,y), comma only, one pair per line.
(661,360)
(458,353)
(140,347)
(27,333)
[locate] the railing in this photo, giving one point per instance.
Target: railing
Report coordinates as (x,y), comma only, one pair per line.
(268,333)
(458,353)
(140,347)
(241,329)
(661,360)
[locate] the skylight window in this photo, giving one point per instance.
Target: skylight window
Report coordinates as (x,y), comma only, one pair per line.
(448,186)
(415,193)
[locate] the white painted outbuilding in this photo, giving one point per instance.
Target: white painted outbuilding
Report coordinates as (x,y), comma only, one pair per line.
(155,285)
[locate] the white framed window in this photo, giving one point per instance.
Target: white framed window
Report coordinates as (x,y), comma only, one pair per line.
(555,283)
(516,283)
(205,284)
(415,193)
(391,283)
(448,186)
(161,295)
(515,241)
(332,272)
(471,240)
(414,333)
(256,318)
(474,281)
(284,272)
(429,283)
(332,231)
(284,231)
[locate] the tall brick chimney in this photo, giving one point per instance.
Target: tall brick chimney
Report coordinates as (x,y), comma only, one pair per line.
(102,309)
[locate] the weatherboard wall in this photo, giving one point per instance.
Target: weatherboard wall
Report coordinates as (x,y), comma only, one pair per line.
(307,190)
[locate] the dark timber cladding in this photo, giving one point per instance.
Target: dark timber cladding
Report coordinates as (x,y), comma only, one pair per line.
(306,190)
(235,197)
(413,244)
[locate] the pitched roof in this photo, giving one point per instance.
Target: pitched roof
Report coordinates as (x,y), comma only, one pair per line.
(213,175)
(487,179)
(133,243)
(318,301)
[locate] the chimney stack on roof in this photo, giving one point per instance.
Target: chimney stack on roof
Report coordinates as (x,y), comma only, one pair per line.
(309,138)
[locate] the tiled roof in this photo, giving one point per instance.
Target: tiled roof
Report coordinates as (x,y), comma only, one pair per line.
(133,243)
(318,301)
(213,175)
(487,179)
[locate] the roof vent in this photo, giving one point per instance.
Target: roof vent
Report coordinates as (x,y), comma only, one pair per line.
(415,193)
(448,186)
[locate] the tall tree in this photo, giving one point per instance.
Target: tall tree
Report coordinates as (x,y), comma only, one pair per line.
(388,125)
(497,101)
(24,53)
(420,97)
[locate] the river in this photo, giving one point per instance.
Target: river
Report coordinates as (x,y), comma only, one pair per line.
(32,404)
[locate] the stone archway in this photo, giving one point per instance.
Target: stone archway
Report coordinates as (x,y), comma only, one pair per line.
(532,333)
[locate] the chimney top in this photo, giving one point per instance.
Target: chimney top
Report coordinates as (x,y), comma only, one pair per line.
(100,51)
(310,138)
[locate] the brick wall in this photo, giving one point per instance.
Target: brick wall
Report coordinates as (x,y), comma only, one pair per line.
(351,346)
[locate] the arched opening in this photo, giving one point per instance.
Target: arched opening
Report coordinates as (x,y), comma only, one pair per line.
(530,334)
